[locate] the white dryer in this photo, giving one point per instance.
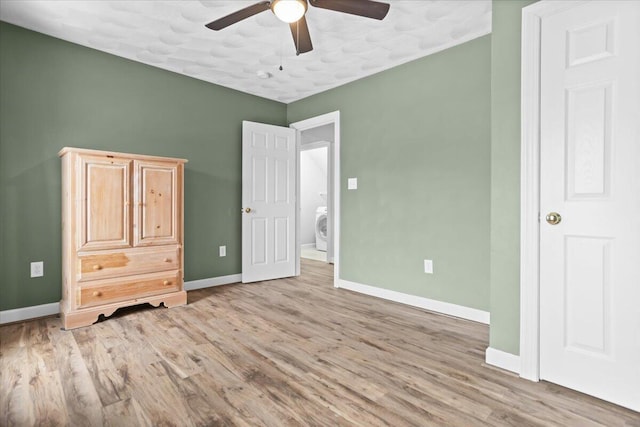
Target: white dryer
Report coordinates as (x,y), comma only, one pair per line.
(321,228)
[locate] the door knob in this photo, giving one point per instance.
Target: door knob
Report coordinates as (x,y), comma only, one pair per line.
(553,218)
(247,210)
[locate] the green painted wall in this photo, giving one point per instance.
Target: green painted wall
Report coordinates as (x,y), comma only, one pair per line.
(417,137)
(55,94)
(505,175)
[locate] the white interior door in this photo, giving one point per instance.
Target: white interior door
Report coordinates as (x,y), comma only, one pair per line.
(590,176)
(268,202)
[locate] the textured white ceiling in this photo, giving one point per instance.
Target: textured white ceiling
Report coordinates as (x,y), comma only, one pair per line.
(172,35)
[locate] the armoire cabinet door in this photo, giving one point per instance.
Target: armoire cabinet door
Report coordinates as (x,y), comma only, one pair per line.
(104,187)
(157,198)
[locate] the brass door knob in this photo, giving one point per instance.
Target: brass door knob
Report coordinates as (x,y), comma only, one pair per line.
(553,218)
(247,210)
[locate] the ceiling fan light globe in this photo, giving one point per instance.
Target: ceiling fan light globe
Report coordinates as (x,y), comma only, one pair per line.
(289,10)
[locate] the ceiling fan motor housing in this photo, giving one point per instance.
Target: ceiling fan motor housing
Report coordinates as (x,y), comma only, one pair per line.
(289,11)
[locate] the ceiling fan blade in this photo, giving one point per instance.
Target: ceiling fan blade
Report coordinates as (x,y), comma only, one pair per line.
(366,8)
(238,16)
(301,36)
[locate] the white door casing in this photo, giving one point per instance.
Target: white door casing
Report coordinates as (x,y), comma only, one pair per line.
(333,200)
(589,316)
(268,202)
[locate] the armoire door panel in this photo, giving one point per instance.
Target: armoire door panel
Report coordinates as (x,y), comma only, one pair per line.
(104,203)
(156,221)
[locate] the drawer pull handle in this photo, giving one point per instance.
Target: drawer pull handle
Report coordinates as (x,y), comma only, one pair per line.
(97,267)
(166,283)
(97,293)
(167,260)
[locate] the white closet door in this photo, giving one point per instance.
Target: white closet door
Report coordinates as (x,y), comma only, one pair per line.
(590,183)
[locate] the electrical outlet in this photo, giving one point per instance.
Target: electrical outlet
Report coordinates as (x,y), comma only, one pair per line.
(428,266)
(37,269)
(223,251)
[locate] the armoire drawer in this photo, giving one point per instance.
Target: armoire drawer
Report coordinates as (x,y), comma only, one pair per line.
(125,262)
(121,289)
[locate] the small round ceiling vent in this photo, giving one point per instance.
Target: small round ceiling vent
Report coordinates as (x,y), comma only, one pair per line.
(263,74)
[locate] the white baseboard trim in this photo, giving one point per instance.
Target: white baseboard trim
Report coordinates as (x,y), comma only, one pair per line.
(192,285)
(502,359)
(416,301)
(26,313)
(308,246)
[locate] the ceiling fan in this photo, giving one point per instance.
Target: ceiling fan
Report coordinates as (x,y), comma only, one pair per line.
(293,11)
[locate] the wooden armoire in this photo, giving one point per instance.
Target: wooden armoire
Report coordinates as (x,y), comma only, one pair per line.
(122,233)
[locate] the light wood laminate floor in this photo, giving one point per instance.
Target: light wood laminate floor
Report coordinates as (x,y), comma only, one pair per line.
(284,352)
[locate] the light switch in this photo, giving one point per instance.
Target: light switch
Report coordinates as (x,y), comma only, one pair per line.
(352,184)
(222,250)
(428,266)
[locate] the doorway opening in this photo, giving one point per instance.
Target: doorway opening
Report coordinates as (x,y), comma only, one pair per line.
(314,194)
(318,189)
